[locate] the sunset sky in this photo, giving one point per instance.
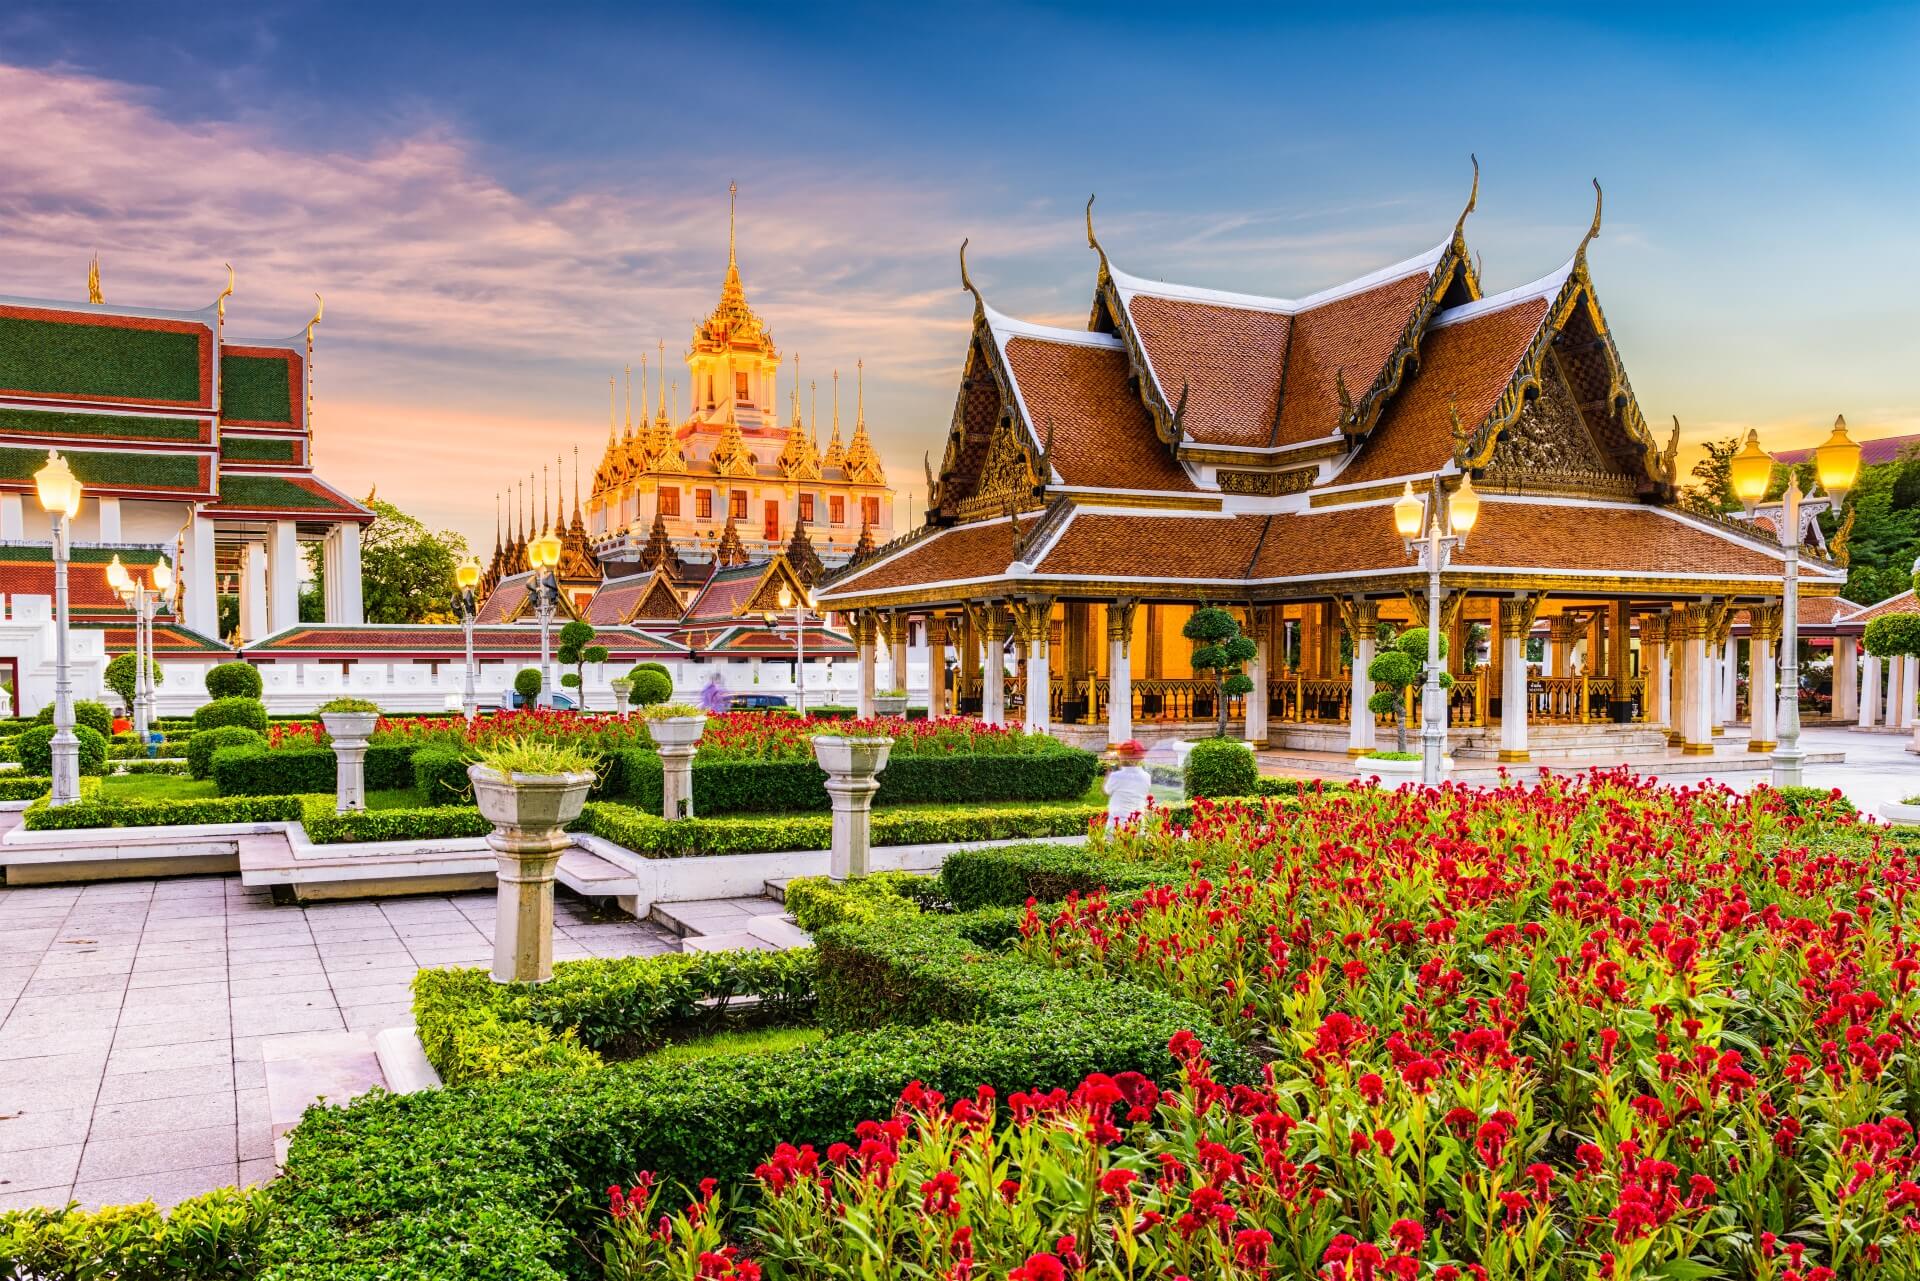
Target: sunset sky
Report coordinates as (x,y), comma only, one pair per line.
(504,204)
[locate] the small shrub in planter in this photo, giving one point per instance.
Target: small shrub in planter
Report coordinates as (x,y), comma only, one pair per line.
(1391,756)
(200,751)
(363,706)
(233,680)
(1221,767)
(248,713)
(95,716)
(35,749)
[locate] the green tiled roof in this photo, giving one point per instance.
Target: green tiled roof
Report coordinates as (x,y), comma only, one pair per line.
(41,422)
(128,470)
(259,449)
(255,389)
(272,492)
(58,358)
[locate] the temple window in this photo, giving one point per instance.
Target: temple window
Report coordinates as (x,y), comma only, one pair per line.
(703,503)
(737,505)
(837,509)
(770,528)
(806,508)
(741,392)
(710,401)
(870,510)
(670,502)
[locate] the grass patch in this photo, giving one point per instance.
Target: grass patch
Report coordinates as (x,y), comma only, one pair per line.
(178,787)
(765,1040)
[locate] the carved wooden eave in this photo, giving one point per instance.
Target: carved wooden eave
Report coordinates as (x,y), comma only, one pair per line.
(1474,447)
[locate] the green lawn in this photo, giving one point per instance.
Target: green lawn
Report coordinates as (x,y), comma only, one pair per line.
(766,1040)
(178,787)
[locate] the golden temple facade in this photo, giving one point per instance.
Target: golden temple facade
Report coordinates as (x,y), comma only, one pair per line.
(716,453)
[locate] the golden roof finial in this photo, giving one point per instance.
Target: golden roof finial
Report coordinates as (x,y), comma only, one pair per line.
(663,380)
(860,395)
(627,431)
(613,411)
(1580,254)
(1473,197)
(220,303)
(813,418)
(576,484)
(319,310)
(546,520)
(733,194)
(94,295)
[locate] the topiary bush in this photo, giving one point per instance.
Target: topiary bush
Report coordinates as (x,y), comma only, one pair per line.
(249,713)
(205,743)
(34,748)
(650,686)
(1221,767)
(1222,651)
(1398,667)
(527,684)
(121,673)
(233,680)
(95,716)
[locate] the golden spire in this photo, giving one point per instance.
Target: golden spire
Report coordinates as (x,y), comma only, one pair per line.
(627,432)
(613,412)
(546,521)
(94,295)
(798,460)
(836,455)
(663,380)
(861,462)
(733,193)
(576,484)
(813,418)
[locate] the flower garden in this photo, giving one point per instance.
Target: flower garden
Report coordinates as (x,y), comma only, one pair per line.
(1591,1029)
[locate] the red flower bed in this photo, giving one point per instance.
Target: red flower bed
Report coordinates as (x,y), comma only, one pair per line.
(1584,1031)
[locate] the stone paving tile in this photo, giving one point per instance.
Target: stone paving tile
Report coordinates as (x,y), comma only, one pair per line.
(133,1015)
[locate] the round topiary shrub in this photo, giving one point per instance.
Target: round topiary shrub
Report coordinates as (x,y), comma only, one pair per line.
(206,742)
(649,686)
(651,667)
(233,680)
(1221,767)
(249,713)
(122,674)
(95,716)
(35,750)
(527,683)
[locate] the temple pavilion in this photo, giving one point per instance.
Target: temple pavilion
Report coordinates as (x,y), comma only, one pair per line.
(1196,446)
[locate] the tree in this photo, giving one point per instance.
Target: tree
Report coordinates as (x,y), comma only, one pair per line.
(1895,636)
(406,569)
(1223,651)
(121,674)
(1712,490)
(527,685)
(577,650)
(651,685)
(1394,670)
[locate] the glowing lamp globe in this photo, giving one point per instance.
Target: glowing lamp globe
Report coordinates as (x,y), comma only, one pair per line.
(117,576)
(1750,470)
(1464,507)
(1407,512)
(786,597)
(58,487)
(1837,462)
(467,574)
(544,551)
(162,576)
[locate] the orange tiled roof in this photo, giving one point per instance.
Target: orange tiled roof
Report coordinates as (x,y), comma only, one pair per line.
(726,593)
(1464,365)
(1102,435)
(615,599)
(1196,547)
(446,641)
(1348,339)
(1904,603)
(505,600)
(1229,359)
(979,550)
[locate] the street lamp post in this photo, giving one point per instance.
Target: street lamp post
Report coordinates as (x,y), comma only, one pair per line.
(799,608)
(466,576)
(544,552)
(1435,549)
(59,491)
(145,603)
(1836,465)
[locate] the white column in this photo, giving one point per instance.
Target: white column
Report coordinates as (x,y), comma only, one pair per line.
(1846,687)
(1120,671)
(1869,713)
(343,576)
(1361,737)
(109,520)
(1037,616)
(13,525)
(1698,684)
(1891,714)
(1515,622)
(283,575)
(1909,689)
(993,666)
(253,592)
(200,583)
(1257,696)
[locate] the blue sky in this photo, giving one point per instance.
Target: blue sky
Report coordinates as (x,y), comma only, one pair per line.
(503,204)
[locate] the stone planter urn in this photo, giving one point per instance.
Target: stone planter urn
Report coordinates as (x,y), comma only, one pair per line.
(853,766)
(1398,773)
(529,813)
(349,731)
(676,738)
(621,688)
(889,704)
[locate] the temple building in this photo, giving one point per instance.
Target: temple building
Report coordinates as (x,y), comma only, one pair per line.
(719,456)
(192,446)
(1196,446)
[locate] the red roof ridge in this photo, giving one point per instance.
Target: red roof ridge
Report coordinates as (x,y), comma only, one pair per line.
(1130,284)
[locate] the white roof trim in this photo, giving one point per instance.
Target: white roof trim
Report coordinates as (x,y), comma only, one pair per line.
(207,315)
(999,321)
(1130,285)
(862,570)
(1545,287)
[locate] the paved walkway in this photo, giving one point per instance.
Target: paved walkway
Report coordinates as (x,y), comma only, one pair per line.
(132,1013)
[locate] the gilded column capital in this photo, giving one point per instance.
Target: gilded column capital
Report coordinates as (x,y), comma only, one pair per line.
(991,618)
(1361,616)
(1120,619)
(1567,628)
(866,627)
(1703,619)
(1517,616)
(936,629)
(1653,628)
(1764,622)
(1032,619)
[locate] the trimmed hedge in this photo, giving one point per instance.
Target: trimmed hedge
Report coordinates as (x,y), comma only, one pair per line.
(440,775)
(1221,767)
(232,680)
(34,749)
(238,710)
(213,1237)
(40,817)
(502,1179)
(816,902)
(759,787)
(655,837)
(227,738)
(477,1030)
(1012,874)
(95,716)
(23,787)
(293,771)
(443,822)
